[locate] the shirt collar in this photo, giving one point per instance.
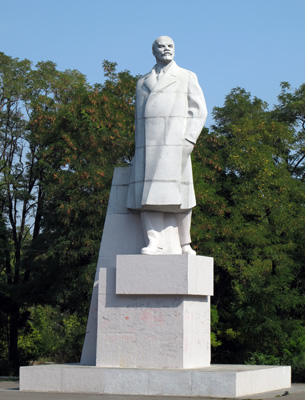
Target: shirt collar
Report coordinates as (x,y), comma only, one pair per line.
(159,70)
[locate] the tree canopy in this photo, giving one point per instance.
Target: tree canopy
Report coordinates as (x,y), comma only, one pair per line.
(60,139)
(250,217)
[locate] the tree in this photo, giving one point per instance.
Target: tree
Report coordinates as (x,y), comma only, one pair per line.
(60,140)
(17,184)
(250,218)
(291,109)
(91,132)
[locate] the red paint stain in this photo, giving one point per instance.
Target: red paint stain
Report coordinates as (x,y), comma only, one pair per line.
(127,317)
(152,317)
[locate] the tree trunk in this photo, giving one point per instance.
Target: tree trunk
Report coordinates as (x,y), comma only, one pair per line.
(13,356)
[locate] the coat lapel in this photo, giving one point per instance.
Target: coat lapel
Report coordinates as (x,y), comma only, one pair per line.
(150,80)
(167,79)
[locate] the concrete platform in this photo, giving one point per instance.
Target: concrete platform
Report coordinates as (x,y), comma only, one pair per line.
(216,381)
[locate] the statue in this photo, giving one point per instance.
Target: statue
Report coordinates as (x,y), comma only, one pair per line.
(170,114)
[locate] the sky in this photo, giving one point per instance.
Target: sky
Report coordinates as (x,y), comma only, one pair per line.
(253,44)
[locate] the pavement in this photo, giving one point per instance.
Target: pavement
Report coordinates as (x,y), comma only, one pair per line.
(9,390)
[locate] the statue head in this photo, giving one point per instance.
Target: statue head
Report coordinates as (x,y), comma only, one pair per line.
(163,49)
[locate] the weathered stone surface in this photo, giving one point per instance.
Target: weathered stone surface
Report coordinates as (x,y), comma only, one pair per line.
(228,381)
(168,274)
(151,331)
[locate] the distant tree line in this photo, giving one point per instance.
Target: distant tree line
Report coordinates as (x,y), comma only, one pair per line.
(61,138)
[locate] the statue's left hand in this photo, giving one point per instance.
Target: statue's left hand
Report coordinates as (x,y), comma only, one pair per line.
(188,147)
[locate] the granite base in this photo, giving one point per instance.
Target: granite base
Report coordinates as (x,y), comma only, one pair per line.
(215,381)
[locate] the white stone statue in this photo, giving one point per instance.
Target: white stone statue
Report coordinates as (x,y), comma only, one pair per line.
(170,114)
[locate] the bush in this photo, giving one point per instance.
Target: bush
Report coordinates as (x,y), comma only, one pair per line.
(51,336)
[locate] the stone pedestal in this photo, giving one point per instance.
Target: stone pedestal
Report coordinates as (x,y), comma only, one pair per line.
(154,312)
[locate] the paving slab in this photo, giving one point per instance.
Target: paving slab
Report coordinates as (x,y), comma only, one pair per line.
(9,390)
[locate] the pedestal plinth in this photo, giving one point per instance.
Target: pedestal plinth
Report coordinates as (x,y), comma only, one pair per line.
(224,381)
(154,312)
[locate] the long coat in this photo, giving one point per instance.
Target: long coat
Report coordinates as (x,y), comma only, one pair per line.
(170,114)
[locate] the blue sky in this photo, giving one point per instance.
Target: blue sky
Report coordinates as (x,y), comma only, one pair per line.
(254,44)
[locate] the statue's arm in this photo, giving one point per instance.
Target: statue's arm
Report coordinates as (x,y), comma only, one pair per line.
(197,110)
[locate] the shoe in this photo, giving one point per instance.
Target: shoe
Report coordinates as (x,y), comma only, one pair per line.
(151,250)
(186,249)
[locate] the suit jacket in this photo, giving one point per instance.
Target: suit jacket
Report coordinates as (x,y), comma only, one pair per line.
(170,113)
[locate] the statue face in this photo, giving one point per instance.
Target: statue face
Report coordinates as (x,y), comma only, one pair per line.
(164,49)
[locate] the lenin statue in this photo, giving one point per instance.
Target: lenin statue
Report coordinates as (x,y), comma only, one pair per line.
(169,117)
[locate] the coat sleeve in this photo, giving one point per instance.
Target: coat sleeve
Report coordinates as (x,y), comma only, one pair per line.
(197,110)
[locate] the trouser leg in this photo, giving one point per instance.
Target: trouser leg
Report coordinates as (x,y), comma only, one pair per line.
(152,223)
(184,227)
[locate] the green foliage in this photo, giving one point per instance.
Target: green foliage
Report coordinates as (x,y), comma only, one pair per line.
(60,139)
(91,132)
(214,322)
(51,335)
(292,353)
(291,109)
(250,217)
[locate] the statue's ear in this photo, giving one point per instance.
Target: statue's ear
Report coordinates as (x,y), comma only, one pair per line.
(153,49)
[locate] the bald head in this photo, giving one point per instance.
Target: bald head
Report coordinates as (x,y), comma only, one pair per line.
(163,49)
